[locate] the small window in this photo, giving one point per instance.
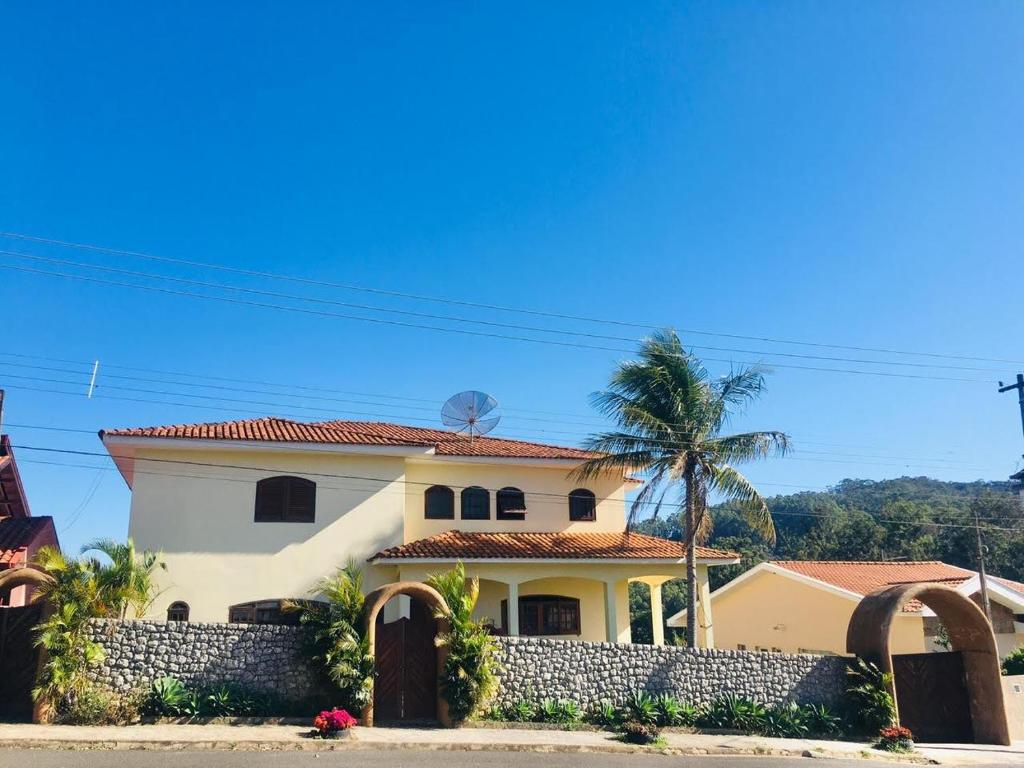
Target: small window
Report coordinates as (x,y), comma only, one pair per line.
(741,647)
(476,503)
(178,611)
(582,505)
(439,503)
(511,504)
(545,615)
(261,612)
(285,499)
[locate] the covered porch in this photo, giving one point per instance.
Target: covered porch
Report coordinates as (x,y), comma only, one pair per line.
(561,585)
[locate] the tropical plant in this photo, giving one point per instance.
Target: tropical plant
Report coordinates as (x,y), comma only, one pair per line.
(670,415)
(788,721)
(126,582)
(670,711)
(1013,664)
(868,690)
(639,733)
(166,697)
(469,677)
(605,714)
(520,711)
(821,721)
(335,638)
(640,708)
(547,711)
(734,712)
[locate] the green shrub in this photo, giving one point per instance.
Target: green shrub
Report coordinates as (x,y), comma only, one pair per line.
(871,704)
(604,714)
(98,706)
(469,677)
(521,711)
(547,711)
(670,711)
(166,697)
(1013,664)
(788,721)
(733,712)
(569,712)
(821,721)
(640,708)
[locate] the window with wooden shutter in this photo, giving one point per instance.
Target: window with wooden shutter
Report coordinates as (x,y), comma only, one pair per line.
(285,499)
(545,615)
(476,503)
(582,505)
(511,503)
(262,612)
(439,503)
(177,611)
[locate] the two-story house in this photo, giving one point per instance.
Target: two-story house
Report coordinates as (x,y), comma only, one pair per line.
(248,513)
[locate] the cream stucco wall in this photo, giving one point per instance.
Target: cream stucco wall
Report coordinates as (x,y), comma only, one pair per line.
(201,518)
(768,610)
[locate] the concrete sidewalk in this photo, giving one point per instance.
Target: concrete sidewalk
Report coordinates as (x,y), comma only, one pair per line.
(292,737)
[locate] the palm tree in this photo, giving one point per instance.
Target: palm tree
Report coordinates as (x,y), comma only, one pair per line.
(127,581)
(670,415)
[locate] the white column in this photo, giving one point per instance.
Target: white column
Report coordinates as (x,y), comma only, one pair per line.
(657,620)
(705,623)
(513,610)
(610,612)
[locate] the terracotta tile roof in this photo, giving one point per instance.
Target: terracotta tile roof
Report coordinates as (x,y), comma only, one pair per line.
(864,577)
(455,545)
(356,433)
(17,535)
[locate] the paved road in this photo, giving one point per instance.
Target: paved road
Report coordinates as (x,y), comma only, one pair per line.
(363,758)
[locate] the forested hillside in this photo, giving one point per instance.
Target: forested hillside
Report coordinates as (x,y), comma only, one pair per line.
(908,518)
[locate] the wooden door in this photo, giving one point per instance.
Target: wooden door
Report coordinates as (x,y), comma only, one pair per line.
(18,661)
(405,686)
(931,693)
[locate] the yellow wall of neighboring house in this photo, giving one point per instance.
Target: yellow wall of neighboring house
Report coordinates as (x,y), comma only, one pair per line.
(768,611)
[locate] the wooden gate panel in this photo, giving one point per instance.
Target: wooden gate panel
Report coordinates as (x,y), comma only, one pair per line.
(405,687)
(388,683)
(18,661)
(931,694)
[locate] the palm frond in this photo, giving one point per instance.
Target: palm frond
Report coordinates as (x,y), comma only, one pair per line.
(735,487)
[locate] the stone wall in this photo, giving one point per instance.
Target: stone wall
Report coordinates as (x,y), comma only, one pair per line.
(257,657)
(270,658)
(590,672)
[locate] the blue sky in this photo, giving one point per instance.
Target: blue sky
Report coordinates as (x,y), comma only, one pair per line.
(844,173)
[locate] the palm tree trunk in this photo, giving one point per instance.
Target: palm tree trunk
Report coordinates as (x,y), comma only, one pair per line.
(690,534)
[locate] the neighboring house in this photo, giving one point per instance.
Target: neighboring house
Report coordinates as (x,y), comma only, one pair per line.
(247,513)
(21,535)
(801,606)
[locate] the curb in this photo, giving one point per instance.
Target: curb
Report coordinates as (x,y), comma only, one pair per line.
(356,744)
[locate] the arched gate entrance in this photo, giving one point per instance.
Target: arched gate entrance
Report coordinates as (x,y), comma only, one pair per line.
(20,659)
(407,661)
(939,696)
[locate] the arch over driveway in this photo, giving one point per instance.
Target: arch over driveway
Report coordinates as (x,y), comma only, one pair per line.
(970,633)
(30,576)
(376,600)
(25,575)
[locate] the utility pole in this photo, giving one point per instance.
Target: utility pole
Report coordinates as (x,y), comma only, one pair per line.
(1019,386)
(982,579)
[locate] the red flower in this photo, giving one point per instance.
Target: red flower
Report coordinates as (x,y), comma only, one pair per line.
(334,720)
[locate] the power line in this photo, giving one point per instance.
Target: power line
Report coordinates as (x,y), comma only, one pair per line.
(465,331)
(488,323)
(482,305)
(427,483)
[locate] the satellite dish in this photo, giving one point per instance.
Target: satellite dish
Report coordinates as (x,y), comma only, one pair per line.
(467,412)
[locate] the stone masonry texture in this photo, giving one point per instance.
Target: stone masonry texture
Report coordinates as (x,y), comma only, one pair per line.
(270,658)
(537,669)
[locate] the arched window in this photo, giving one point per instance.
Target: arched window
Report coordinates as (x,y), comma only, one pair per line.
(511,504)
(285,499)
(439,503)
(545,615)
(177,611)
(476,503)
(582,505)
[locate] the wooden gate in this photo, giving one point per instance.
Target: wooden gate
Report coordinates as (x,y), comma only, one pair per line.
(931,693)
(18,660)
(405,686)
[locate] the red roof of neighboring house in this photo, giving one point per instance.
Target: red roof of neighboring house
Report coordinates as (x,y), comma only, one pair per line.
(20,536)
(272,429)
(458,545)
(864,577)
